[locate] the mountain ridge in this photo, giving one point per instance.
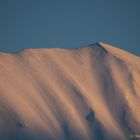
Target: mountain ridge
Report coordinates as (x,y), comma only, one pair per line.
(102,45)
(116,52)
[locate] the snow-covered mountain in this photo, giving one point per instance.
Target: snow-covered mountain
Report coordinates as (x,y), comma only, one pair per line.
(90,93)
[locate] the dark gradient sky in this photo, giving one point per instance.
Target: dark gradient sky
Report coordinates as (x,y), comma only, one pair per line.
(69,23)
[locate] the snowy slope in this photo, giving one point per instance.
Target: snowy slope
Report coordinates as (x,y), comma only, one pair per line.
(90,93)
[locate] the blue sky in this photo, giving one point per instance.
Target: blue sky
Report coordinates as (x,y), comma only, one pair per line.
(69,24)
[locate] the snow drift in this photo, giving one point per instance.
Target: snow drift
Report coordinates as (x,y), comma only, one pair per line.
(90,93)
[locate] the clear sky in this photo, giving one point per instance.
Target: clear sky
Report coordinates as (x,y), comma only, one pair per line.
(69,23)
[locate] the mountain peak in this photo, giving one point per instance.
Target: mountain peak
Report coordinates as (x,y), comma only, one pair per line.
(98,46)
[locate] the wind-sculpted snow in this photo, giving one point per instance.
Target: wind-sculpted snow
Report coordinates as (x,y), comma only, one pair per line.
(90,93)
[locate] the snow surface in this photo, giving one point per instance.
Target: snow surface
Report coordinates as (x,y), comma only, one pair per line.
(90,93)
